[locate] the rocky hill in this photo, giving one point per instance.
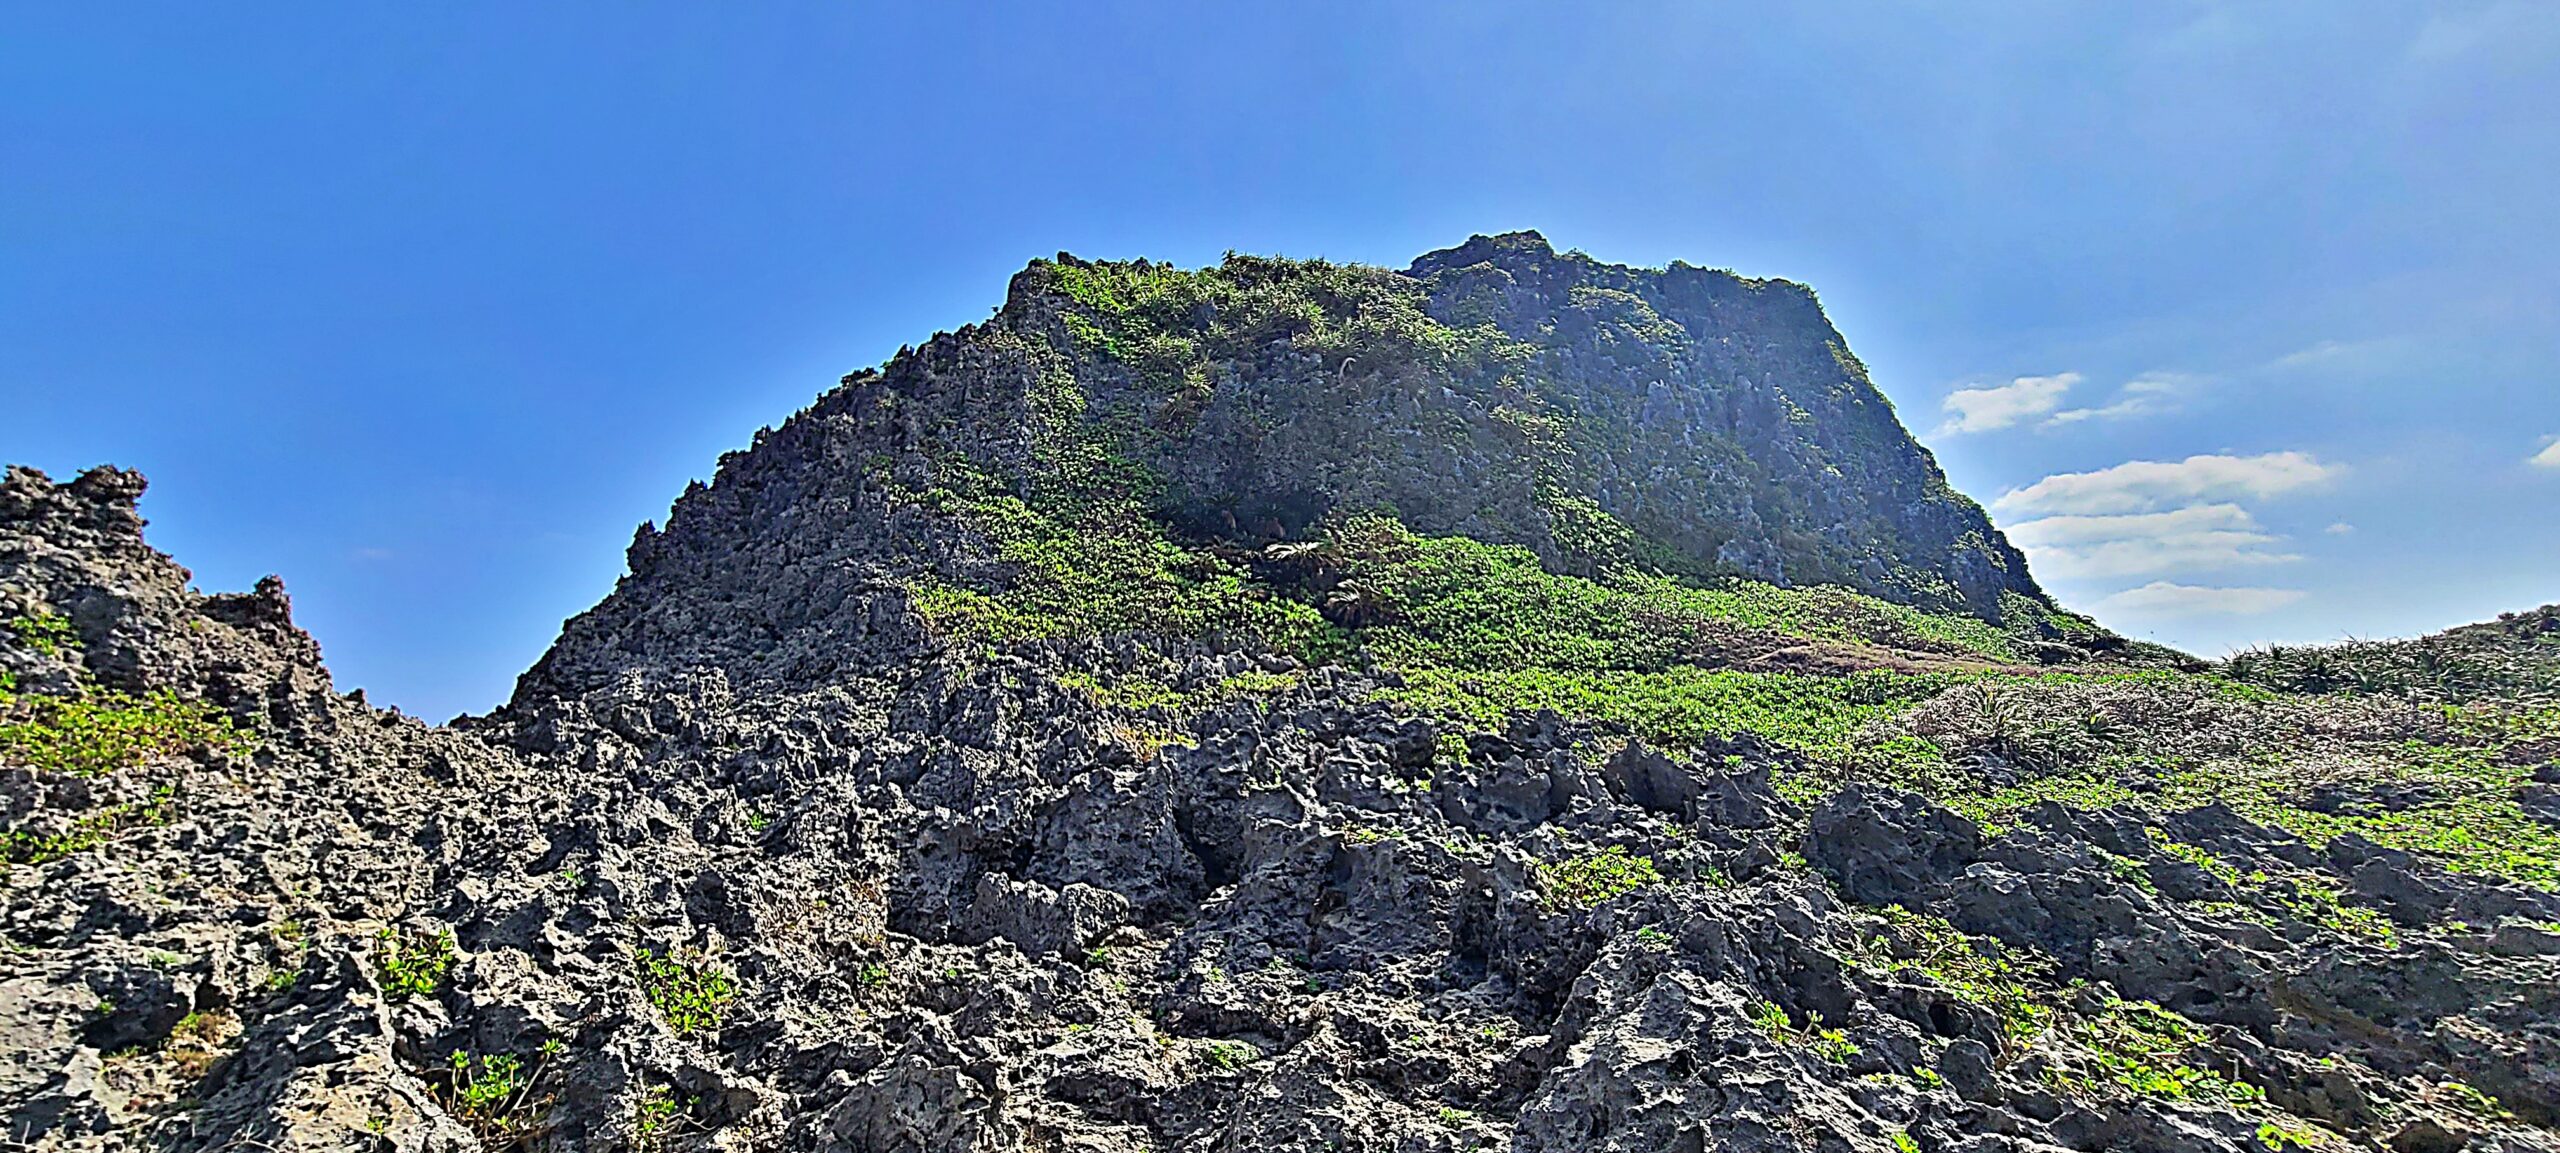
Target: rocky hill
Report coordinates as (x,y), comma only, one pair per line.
(1130,446)
(1516,703)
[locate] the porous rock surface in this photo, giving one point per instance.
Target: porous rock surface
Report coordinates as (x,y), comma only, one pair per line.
(966,911)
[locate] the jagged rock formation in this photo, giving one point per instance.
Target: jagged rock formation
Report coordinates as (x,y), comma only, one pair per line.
(1018,751)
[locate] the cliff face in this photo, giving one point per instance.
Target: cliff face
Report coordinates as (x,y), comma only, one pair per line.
(1726,419)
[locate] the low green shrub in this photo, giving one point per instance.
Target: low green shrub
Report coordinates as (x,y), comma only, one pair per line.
(687,988)
(1593,878)
(101,731)
(413,965)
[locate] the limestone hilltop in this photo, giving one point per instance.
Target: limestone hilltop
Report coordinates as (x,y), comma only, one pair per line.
(1513,703)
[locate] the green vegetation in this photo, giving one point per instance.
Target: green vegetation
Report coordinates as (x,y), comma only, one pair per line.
(2282,1133)
(1684,707)
(96,733)
(1358,835)
(2141,1048)
(1229,1055)
(1082,554)
(199,1040)
(1459,602)
(2476,826)
(689,989)
(1975,970)
(46,632)
(2265,761)
(102,731)
(659,1117)
(29,846)
(2515,658)
(496,1094)
(1076,528)
(1593,878)
(2117,1046)
(1169,326)
(1831,1045)
(413,965)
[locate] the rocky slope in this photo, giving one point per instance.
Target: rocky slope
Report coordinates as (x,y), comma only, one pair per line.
(1079,736)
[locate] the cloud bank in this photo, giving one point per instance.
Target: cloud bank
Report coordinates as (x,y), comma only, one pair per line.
(2148,485)
(2197,539)
(2165,520)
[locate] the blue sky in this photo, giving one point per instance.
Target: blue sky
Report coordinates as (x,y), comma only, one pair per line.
(2243,316)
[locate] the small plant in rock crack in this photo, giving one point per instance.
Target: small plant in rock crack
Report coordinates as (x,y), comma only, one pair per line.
(659,1117)
(498,1095)
(1230,1055)
(1772,1022)
(198,1041)
(412,965)
(1653,939)
(688,988)
(2457,1097)
(1831,1045)
(1593,878)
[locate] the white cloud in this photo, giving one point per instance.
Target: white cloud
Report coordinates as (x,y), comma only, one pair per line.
(2144,395)
(2148,485)
(2003,405)
(2341,528)
(2549,457)
(2164,599)
(2201,538)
